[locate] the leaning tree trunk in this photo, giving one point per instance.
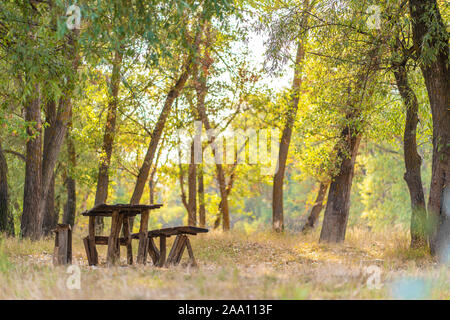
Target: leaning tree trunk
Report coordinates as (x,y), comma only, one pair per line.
(430,34)
(31,222)
(101,194)
(338,203)
(277,194)
(6,219)
(158,130)
(413,160)
(313,216)
(173,93)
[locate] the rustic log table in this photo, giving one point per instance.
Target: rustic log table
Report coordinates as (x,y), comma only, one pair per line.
(120,214)
(181,242)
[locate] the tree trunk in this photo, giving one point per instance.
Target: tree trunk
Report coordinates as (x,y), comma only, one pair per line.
(108,139)
(181,181)
(338,203)
(173,93)
(158,130)
(429,30)
(50,216)
(49,197)
(35,197)
(413,160)
(277,197)
(201,197)
(151,187)
(192,190)
(70,206)
(31,222)
(201,95)
(313,216)
(6,219)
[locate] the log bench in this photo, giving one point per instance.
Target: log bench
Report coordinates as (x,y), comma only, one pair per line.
(181,242)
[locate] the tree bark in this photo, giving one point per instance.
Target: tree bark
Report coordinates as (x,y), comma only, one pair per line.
(151,186)
(51,215)
(70,206)
(429,30)
(6,219)
(49,198)
(151,181)
(413,160)
(313,216)
(201,197)
(338,203)
(101,194)
(31,222)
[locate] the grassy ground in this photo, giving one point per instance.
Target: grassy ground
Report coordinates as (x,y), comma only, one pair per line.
(237,266)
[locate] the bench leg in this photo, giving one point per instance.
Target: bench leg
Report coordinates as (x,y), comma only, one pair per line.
(162,250)
(153,251)
(191,253)
(180,250)
(177,250)
(174,250)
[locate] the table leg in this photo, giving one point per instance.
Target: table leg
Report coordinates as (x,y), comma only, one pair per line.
(113,240)
(92,248)
(127,235)
(143,235)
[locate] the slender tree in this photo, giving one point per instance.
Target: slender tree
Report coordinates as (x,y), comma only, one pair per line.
(412,158)
(313,215)
(430,37)
(101,194)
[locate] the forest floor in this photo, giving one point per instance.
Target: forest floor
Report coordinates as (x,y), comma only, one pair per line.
(237,266)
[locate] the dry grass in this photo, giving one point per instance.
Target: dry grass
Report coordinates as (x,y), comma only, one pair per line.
(237,266)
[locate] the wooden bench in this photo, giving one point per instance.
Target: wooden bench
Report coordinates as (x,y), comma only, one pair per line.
(181,242)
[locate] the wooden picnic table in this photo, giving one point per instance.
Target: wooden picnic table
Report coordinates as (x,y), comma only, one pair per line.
(120,214)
